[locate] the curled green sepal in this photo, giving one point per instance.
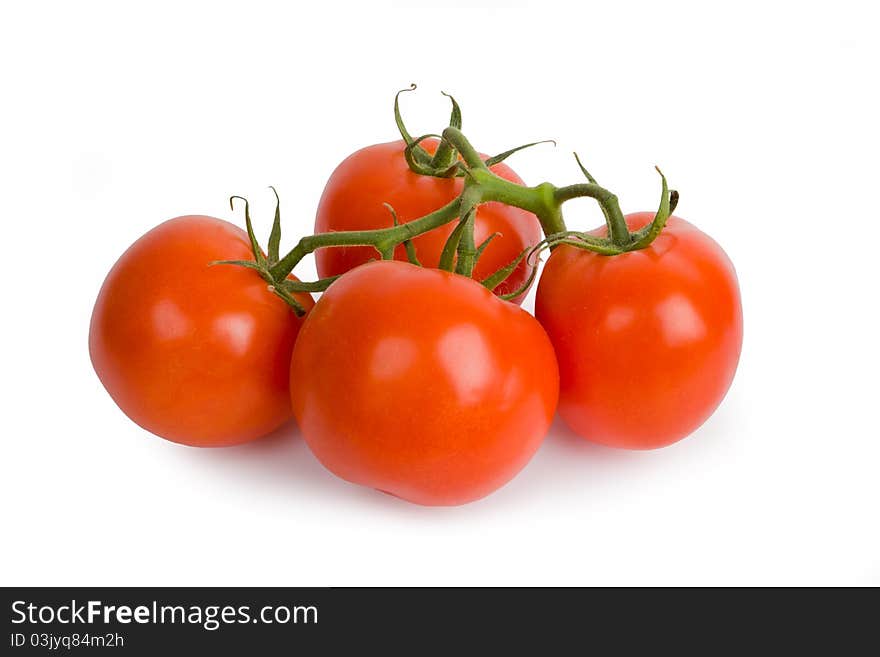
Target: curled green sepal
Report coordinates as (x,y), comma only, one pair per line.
(585,241)
(497,277)
(495,159)
(413,153)
(444,162)
(484,244)
(580,243)
(255,245)
(404,133)
(522,288)
(418,158)
(308,286)
(407,244)
(668,200)
(447,256)
(467,251)
(600,245)
(261,264)
(445,156)
(586,173)
(250,264)
(494,280)
(461,239)
(275,235)
(590,178)
(455,117)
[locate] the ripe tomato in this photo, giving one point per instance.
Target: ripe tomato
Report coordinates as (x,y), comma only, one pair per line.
(197,354)
(354,196)
(440,393)
(647,341)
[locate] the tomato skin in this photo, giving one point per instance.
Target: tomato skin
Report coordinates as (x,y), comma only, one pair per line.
(647,341)
(354,196)
(194,353)
(422,384)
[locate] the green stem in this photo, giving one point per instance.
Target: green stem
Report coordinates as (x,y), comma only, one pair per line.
(456,156)
(495,188)
(309,286)
(445,155)
(382,239)
(467,249)
(447,256)
(471,197)
(468,153)
(482,185)
(549,212)
(545,200)
(617,228)
(540,200)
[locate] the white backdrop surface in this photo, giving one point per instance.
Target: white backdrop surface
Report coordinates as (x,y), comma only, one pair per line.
(763,115)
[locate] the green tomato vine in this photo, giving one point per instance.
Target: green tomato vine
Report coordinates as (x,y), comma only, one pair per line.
(455,156)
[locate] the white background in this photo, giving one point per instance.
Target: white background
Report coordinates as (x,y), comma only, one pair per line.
(765,117)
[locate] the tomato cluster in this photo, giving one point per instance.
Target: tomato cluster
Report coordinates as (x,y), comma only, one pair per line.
(354,196)
(415,372)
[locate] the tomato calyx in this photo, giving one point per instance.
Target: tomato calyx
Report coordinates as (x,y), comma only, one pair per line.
(459,255)
(620,239)
(546,200)
(444,162)
(263,263)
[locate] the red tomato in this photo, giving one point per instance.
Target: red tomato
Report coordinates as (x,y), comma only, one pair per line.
(197,354)
(420,383)
(648,341)
(354,196)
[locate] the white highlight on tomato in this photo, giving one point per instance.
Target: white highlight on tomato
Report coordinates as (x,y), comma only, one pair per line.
(681,323)
(393,357)
(169,321)
(467,361)
(235,330)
